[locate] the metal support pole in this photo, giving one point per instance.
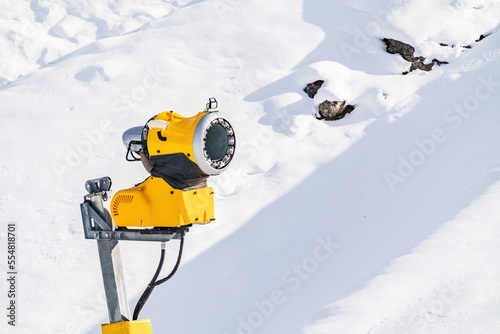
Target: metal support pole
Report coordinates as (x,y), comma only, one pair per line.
(110,258)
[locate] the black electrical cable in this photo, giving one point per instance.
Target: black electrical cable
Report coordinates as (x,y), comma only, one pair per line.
(149,289)
(145,295)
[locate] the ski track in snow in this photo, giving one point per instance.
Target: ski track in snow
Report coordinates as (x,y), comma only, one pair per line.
(382,222)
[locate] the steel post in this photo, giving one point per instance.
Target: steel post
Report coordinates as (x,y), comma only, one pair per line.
(111,265)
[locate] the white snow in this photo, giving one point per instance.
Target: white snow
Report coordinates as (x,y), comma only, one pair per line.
(383,222)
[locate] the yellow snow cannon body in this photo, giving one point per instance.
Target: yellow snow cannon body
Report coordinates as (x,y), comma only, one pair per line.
(180,153)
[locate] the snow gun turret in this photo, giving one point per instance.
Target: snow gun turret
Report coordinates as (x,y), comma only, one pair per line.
(180,153)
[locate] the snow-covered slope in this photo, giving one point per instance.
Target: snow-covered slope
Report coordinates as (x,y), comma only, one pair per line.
(382,222)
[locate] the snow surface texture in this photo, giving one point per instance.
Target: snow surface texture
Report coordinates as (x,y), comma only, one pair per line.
(386,221)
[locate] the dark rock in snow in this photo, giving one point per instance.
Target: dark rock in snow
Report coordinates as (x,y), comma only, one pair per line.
(312,89)
(333,110)
(396,47)
(482,37)
(407,52)
(477,41)
(439,63)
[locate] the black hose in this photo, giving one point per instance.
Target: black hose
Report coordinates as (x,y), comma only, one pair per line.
(163,280)
(149,289)
(145,295)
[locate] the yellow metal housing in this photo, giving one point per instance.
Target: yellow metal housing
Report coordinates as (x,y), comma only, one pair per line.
(174,136)
(128,327)
(154,203)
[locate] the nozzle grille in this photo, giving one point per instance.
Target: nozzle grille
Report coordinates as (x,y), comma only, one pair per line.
(219,143)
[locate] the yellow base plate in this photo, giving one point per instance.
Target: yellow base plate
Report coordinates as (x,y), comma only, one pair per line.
(128,327)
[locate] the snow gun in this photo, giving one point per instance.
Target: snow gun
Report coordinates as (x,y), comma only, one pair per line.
(180,153)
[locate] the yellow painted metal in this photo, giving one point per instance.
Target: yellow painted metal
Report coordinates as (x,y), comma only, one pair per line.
(176,137)
(128,327)
(154,203)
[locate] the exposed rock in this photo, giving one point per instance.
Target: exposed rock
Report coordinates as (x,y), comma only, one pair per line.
(312,88)
(477,40)
(333,110)
(439,63)
(407,52)
(396,47)
(419,65)
(482,37)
